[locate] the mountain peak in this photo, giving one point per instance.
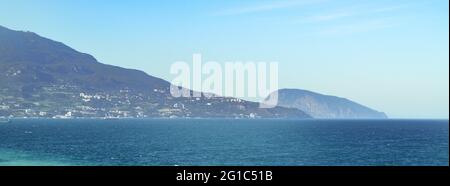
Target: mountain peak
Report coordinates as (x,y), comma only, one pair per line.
(45,78)
(27,47)
(324,106)
(42,60)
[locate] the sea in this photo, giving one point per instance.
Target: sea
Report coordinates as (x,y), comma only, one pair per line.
(211,142)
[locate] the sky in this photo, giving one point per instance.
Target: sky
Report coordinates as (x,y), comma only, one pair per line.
(389,55)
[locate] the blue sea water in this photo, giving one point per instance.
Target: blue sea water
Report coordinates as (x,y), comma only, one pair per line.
(224,142)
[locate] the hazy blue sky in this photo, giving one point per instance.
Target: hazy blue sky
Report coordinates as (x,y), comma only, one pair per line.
(390,55)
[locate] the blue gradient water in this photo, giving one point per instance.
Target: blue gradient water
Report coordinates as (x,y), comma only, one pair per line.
(224,142)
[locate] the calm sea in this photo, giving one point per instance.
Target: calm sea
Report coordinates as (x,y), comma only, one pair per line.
(224,142)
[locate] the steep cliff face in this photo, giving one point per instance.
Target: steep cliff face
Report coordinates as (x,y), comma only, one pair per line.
(323,106)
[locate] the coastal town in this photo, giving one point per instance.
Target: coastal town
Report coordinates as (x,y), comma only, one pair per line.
(66,101)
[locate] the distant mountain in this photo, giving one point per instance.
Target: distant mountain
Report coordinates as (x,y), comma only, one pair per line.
(323,106)
(44,78)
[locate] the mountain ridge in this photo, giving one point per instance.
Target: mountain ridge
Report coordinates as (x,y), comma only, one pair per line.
(45,78)
(325,106)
